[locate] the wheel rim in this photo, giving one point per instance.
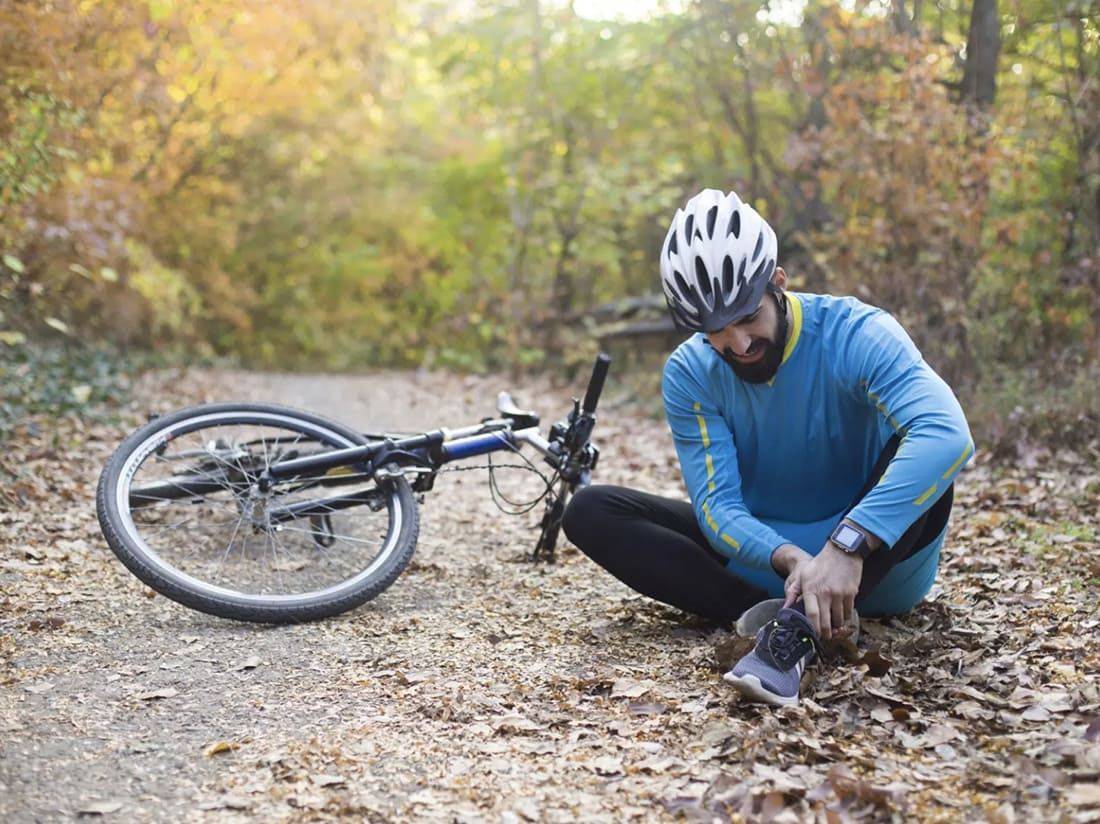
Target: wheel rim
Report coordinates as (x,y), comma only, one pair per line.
(219,544)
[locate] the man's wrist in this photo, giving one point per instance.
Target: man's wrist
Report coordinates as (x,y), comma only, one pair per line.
(785,557)
(835,548)
(852,539)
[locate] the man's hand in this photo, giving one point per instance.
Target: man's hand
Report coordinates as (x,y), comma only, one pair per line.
(826,584)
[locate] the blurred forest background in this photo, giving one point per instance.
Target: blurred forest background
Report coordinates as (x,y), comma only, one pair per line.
(354,184)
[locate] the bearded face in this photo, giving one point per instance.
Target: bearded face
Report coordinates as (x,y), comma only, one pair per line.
(753,347)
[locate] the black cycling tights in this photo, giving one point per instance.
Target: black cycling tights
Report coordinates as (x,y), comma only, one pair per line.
(655,546)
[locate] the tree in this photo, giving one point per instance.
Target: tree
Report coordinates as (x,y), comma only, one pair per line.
(983,43)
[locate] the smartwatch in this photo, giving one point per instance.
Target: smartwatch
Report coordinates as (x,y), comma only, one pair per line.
(851,539)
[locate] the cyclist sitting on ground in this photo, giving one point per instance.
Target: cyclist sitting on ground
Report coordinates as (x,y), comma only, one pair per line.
(818,449)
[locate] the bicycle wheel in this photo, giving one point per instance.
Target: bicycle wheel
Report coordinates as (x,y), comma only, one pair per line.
(180,505)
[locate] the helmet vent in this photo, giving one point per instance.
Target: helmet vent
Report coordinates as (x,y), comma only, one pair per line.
(705,286)
(712,218)
(689,225)
(672,250)
(741,271)
(735,224)
(682,285)
(759,246)
(727,274)
(763,270)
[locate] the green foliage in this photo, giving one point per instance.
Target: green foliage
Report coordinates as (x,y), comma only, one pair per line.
(31,153)
(59,381)
(1035,409)
(355,184)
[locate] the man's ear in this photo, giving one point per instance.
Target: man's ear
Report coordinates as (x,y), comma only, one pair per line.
(779,277)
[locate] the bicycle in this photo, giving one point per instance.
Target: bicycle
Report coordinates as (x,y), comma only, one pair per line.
(266,513)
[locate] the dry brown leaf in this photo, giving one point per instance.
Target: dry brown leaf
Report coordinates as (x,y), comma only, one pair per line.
(219,747)
(606,765)
(1092,731)
(628,688)
(1083,795)
(100,807)
(877,665)
(515,725)
(154,695)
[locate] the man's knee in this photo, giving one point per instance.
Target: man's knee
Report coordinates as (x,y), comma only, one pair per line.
(582,513)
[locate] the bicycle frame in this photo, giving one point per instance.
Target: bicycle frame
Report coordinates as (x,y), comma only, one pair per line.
(568,450)
(422,455)
(430,450)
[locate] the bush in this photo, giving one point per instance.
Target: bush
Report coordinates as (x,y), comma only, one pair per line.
(1026,415)
(57,381)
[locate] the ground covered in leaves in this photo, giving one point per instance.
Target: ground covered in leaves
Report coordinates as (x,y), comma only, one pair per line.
(483,689)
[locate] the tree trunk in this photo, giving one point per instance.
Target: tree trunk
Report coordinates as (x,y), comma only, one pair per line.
(983,45)
(904,22)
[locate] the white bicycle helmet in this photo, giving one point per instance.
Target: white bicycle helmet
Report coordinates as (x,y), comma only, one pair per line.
(716,261)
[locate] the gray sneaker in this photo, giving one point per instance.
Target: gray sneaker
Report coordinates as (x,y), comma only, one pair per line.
(759,614)
(753,618)
(773,670)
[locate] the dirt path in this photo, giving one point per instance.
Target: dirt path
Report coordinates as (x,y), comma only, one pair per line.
(480,689)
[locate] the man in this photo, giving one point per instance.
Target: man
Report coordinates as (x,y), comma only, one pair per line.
(818,449)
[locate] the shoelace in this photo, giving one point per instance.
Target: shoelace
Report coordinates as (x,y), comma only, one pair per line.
(788,643)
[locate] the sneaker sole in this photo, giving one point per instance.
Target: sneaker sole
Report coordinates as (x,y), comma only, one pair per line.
(750,687)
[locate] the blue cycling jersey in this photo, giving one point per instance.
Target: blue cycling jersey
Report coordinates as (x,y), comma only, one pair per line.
(779,462)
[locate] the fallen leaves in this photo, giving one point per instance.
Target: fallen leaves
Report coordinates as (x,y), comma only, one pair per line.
(1092,731)
(605,765)
(100,807)
(478,689)
(156,695)
(219,747)
(627,688)
(52,622)
(1083,795)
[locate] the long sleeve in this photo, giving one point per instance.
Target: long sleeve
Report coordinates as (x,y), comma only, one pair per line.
(884,368)
(708,460)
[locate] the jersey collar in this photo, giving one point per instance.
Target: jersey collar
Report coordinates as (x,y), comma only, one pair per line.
(796,330)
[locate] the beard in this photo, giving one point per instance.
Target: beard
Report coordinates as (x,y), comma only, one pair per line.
(764,369)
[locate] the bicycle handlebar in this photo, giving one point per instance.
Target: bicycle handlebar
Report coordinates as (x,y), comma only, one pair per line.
(595,383)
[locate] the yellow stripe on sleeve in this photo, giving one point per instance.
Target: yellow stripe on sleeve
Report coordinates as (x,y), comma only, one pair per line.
(965,454)
(881,407)
(710,480)
(714,526)
(710,521)
(702,427)
(927,494)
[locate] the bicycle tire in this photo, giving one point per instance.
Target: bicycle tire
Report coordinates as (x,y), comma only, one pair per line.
(217,475)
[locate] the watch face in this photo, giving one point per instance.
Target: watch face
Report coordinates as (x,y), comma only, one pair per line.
(848,537)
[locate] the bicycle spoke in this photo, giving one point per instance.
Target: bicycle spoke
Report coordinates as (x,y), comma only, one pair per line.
(229,544)
(251,554)
(345,538)
(187,512)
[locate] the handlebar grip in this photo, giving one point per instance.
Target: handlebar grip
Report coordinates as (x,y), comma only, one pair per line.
(595,383)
